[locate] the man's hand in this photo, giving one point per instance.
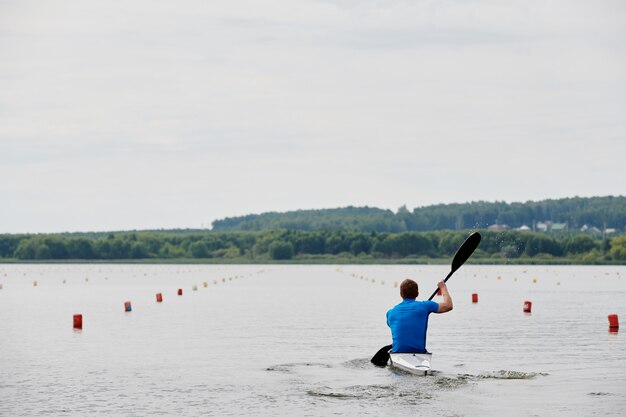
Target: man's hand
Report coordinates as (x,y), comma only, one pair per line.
(446,304)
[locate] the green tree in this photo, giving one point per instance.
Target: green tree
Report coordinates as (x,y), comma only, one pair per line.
(280,250)
(618,248)
(80,248)
(199,250)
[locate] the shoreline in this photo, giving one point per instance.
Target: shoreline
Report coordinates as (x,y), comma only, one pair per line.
(310,261)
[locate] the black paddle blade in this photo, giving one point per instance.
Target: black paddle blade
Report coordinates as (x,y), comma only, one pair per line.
(382,356)
(465,251)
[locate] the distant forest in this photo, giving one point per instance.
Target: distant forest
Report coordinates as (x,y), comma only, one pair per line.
(308,246)
(359,235)
(594,212)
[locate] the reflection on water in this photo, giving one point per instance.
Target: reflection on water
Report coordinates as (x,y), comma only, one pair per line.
(296,340)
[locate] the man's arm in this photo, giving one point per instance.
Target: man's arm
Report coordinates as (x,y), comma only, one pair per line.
(446,304)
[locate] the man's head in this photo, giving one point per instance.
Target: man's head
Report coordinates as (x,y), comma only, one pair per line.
(409,289)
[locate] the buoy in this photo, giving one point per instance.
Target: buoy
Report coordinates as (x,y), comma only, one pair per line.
(87,279)
(159,297)
(64,281)
(78,321)
(395,284)
(214,282)
(127,306)
(613,322)
(534,280)
(180,291)
(195,288)
(205,284)
(499,277)
(223,279)
(373,280)
(528,306)
(0,286)
(474,298)
(35,283)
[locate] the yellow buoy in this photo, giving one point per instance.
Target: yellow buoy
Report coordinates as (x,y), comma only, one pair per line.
(206,284)
(35,283)
(534,280)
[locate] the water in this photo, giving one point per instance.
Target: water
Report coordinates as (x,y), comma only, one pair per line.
(296,340)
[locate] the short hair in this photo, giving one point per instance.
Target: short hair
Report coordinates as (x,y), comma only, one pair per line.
(409,289)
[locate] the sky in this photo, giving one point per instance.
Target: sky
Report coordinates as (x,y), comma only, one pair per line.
(130,115)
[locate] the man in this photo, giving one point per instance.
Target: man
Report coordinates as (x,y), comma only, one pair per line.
(409,319)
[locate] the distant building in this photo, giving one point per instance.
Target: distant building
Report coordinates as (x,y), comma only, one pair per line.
(609,230)
(558,227)
(542,227)
(498,228)
(523,228)
(589,229)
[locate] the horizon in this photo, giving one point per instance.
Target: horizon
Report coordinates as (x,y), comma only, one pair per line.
(210,226)
(147,115)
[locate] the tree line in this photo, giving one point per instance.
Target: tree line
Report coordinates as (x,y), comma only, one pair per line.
(600,212)
(288,244)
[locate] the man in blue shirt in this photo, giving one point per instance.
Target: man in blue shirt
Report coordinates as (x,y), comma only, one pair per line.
(409,319)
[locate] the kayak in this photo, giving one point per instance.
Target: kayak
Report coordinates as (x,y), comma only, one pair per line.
(415,363)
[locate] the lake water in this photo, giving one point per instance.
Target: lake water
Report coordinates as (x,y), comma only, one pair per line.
(296,340)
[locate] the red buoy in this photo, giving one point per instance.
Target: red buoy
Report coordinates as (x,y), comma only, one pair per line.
(127,306)
(613,322)
(78,321)
(180,291)
(159,298)
(528,306)
(474,298)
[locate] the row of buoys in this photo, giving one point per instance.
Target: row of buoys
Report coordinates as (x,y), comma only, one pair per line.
(527,306)
(78,318)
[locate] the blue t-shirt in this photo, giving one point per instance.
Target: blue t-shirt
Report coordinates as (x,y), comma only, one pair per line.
(408,322)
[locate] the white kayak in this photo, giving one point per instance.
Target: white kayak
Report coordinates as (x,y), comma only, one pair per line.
(415,363)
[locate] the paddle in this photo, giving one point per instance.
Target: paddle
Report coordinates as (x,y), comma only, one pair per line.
(465,251)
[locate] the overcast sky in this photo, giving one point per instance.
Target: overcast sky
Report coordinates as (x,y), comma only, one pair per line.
(118,115)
